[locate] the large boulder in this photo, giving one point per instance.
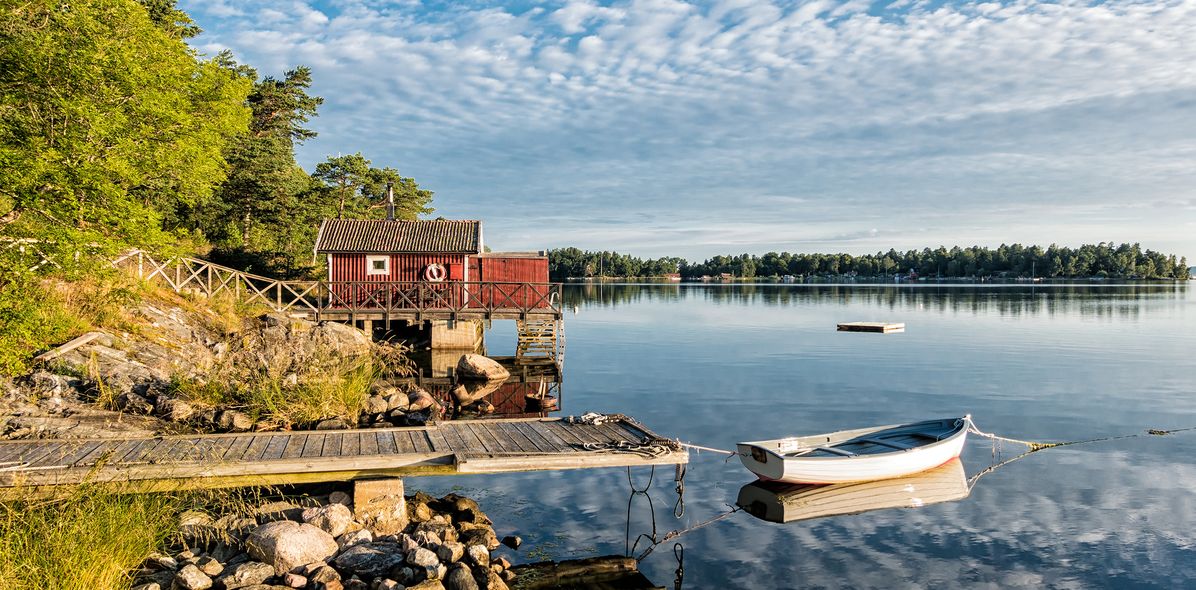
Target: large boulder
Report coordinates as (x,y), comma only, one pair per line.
(287,545)
(475,367)
(380,505)
(370,560)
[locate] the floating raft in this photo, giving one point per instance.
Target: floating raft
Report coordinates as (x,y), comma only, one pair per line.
(269,458)
(878,327)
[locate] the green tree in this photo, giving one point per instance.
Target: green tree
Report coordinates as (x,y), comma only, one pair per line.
(108,120)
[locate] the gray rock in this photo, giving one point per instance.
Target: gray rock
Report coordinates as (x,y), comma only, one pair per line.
(459,577)
(162,562)
(322,574)
(354,538)
(287,545)
(332,424)
(450,552)
(370,560)
(512,541)
(273,511)
(432,572)
(148,586)
(175,410)
(478,555)
(388,584)
(334,519)
(421,557)
(133,403)
(491,581)
(209,566)
(340,498)
(427,539)
(427,585)
(479,368)
(246,574)
(191,578)
(374,404)
(479,536)
(294,580)
(234,421)
(396,400)
(420,400)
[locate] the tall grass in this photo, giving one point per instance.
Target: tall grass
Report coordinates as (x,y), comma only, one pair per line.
(337,392)
(92,537)
(88,540)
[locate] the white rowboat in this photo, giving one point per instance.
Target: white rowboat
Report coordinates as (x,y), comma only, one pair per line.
(786,502)
(863,454)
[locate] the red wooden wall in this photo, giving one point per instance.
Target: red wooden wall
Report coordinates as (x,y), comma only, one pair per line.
(403,267)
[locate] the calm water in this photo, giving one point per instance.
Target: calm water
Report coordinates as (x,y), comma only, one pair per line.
(717,364)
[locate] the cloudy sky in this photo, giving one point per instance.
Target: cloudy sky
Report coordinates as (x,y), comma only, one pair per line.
(659,127)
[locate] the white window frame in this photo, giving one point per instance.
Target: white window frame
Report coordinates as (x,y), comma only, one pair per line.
(370,259)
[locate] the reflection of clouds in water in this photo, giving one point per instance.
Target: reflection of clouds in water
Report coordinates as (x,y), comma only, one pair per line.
(1095,516)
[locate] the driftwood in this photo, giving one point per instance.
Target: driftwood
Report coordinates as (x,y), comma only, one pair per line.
(50,355)
(612,571)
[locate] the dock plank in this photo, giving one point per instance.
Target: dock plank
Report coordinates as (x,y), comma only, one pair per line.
(480,446)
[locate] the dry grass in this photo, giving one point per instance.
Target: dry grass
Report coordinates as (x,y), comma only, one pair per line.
(92,537)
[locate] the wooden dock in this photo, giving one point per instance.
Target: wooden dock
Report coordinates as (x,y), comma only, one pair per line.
(270,458)
(877,327)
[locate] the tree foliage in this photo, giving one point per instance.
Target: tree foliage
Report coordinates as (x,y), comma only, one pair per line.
(1013,260)
(109,121)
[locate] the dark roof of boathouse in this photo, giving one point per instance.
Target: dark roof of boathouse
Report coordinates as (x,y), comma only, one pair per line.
(389,236)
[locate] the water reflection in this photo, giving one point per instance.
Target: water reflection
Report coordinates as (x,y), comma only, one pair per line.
(780,502)
(1006,299)
(533,390)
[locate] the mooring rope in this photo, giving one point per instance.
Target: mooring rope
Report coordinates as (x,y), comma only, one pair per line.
(677,533)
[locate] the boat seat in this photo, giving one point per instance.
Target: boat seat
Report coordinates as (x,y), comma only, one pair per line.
(835,451)
(886,443)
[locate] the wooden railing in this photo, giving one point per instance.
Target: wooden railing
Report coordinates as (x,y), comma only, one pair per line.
(402,298)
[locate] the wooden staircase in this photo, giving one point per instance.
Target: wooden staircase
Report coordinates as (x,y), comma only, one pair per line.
(540,339)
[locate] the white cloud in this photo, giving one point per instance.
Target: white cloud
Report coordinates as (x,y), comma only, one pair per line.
(677,110)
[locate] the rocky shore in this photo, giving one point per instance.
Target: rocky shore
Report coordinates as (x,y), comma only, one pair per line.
(372,539)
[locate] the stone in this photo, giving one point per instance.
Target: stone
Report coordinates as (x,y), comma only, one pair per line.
(421,557)
(332,424)
(479,536)
(450,552)
(480,368)
(491,581)
(388,584)
(148,586)
(380,506)
(354,538)
(419,511)
(427,539)
(287,545)
(339,497)
(191,578)
(175,410)
(322,573)
(234,421)
(431,572)
(427,585)
(408,543)
(403,574)
(478,555)
(507,576)
(243,575)
(420,400)
(355,584)
(512,541)
(272,511)
(133,403)
(396,401)
(294,580)
(369,560)
(209,566)
(334,519)
(501,562)
(444,532)
(459,577)
(374,404)
(162,562)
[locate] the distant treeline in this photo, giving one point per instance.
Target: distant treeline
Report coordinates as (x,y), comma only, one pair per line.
(1009,261)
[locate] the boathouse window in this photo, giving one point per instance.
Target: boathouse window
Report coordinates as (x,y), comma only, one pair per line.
(377,265)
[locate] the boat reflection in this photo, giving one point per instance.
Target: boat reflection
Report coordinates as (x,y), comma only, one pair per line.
(784,502)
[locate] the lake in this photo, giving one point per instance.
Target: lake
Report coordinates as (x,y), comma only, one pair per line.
(717,364)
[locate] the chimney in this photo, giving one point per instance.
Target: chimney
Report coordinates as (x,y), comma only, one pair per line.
(390,201)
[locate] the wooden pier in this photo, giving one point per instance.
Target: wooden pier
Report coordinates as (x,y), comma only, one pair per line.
(270,458)
(877,327)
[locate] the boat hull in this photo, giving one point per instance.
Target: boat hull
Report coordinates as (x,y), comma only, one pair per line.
(768,460)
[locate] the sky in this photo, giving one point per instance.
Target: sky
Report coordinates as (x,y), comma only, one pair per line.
(660,127)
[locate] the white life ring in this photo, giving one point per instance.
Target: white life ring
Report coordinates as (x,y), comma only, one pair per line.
(435,273)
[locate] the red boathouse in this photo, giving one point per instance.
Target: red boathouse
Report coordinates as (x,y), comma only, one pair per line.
(427,264)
